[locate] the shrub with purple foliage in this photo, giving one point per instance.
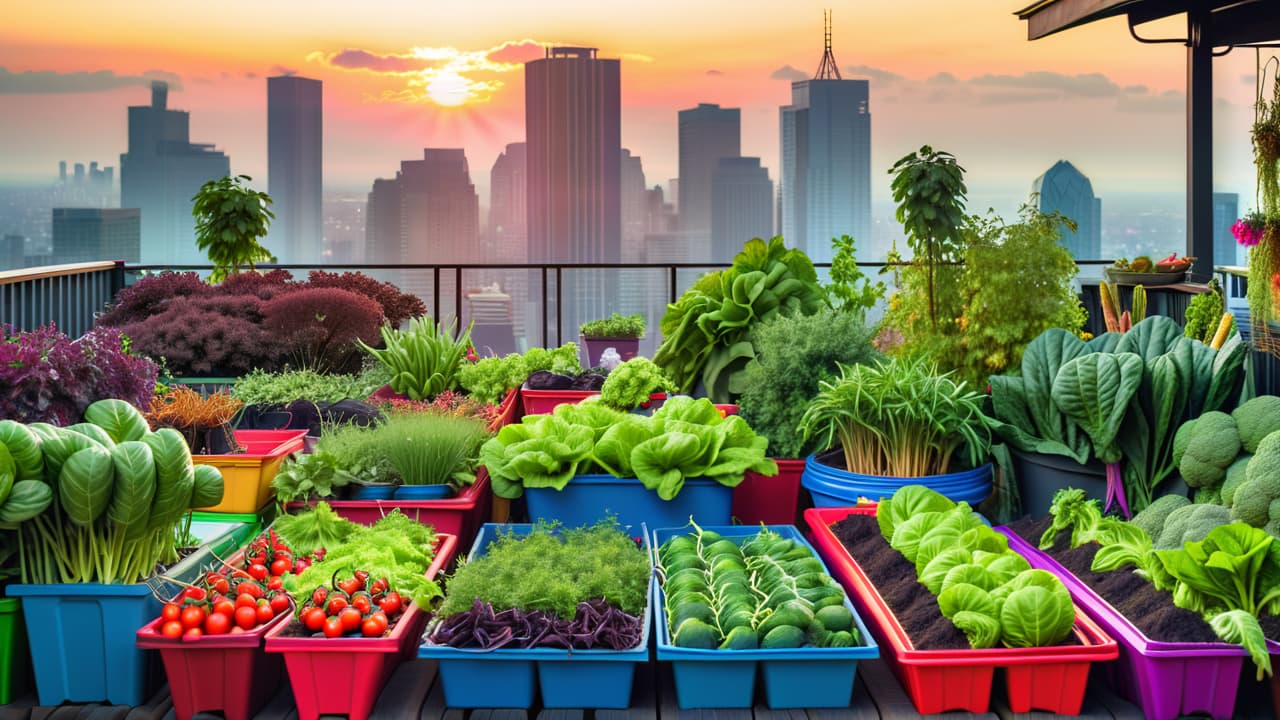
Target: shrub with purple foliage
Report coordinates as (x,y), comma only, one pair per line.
(207,336)
(148,296)
(396,306)
(46,376)
(261,285)
(317,328)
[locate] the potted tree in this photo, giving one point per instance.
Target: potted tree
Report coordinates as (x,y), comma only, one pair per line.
(231,218)
(895,423)
(620,332)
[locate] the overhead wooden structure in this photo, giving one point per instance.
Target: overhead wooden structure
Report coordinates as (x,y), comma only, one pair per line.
(1214,27)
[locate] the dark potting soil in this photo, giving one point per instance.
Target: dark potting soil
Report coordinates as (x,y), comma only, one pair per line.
(895,577)
(1151,610)
(544,380)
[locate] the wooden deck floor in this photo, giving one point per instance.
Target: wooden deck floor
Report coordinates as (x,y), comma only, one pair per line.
(414,694)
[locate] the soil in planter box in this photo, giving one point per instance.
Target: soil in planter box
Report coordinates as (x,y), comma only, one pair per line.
(544,380)
(1151,610)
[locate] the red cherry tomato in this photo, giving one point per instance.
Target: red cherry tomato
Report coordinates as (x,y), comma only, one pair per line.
(247,617)
(332,627)
(362,603)
(193,617)
(265,613)
(193,632)
(246,600)
(224,607)
(314,619)
(281,566)
(374,626)
(171,629)
(275,583)
(171,612)
(336,604)
(350,618)
(258,571)
(279,603)
(391,603)
(250,588)
(236,630)
(217,624)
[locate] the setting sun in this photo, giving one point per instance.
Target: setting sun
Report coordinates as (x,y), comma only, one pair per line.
(448,89)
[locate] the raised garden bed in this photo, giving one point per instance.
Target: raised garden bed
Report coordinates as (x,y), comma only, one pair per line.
(247,476)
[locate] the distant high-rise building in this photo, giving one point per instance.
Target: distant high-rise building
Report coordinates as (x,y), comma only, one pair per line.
(825,183)
(93,234)
(635,200)
(708,133)
(1063,188)
(741,206)
(573,132)
(295,130)
(508,207)
(440,211)
(660,214)
(13,252)
(1226,209)
(382,223)
(160,174)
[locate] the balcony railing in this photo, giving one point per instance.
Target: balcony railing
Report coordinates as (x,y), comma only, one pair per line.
(69,296)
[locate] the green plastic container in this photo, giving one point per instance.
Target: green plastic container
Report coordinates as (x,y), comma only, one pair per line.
(225,531)
(15,661)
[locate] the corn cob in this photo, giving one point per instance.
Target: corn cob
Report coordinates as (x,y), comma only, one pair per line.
(1139,309)
(1224,330)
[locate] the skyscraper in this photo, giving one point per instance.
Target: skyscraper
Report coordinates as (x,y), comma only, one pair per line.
(382,223)
(508,208)
(1226,209)
(160,174)
(1063,188)
(294,153)
(573,131)
(741,206)
(826,160)
(707,134)
(634,207)
(92,234)
(440,211)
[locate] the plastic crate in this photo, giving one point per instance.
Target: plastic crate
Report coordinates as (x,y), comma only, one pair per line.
(247,476)
(1167,679)
(343,676)
(460,516)
(543,402)
(769,500)
(1051,679)
(14,657)
(588,498)
(793,677)
(566,678)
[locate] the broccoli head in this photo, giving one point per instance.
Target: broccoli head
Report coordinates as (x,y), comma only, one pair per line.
(1191,523)
(1208,495)
(1251,502)
(1205,447)
(1153,517)
(1236,475)
(1257,419)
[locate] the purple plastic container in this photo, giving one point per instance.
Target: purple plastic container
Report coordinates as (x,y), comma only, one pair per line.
(1167,679)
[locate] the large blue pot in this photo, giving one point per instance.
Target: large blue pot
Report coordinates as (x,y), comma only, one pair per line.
(835,487)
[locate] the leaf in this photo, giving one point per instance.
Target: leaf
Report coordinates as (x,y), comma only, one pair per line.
(1038,613)
(135,487)
(118,418)
(908,501)
(1094,391)
(24,448)
(1151,338)
(85,483)
(208,487)
(28,499)
(658,462)
(175,476)
(974,612)
(1243,629)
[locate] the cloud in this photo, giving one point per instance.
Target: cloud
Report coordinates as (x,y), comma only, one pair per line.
(636,57)
(1136,89)
(1091,85)
(1014,97)
(356,59)
(716,73)
(517,51)
(282,70)
(877,74)
(787,72)
(251,76)
(942,78)
(1170,101)
(48,82)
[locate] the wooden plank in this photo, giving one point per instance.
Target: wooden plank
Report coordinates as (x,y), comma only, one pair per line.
(644,697)
(406,691)
(19,709)
(433,708)
(42,712)
(108,712)
(764,712)
(500,714)
(71,712)
(560,714)
(156,708)
(861,708)
(669,707)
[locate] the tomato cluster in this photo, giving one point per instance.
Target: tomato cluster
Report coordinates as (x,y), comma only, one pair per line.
(269,559)
(353,606)
(224,605)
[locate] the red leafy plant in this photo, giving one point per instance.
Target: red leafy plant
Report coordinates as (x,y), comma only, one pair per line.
(396,306)
(317,328)
(210,336)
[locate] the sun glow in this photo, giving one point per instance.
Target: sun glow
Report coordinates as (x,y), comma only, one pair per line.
(449,89)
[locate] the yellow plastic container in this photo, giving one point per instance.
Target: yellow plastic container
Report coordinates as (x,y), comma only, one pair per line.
(247,476)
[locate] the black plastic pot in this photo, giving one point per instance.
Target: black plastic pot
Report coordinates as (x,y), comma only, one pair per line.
(1041,476)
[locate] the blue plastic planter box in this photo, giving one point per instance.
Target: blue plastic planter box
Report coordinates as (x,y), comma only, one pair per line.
(793,678)
(588,498)
(567,679)
(82,636)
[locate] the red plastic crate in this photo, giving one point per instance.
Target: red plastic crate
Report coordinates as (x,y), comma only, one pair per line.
(343,676)
(1051,679)
(543,402)
(769,500)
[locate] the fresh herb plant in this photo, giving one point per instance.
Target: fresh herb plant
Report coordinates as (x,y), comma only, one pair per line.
(490,379)
(423,359)
(276,390)
(851,290)
(430,448)
(231,219)
(614,326)
(632,383)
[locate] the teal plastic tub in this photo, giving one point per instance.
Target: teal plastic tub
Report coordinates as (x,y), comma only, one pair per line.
(14,659)
(793,677)
(589,498)
(566,678)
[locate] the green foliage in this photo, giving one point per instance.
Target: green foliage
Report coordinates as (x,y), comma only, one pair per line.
(428,448)
(396,547)
(314,474)
(767,592)
(932,417)
(313,529)
(490,379)
(553,569)
(231,218)
(1152,519)
(705,332)
(793,356)
(1205,312)
(423,359)
(929,188)
(1256,419)
(275,390)
(614,326)
(851,290)
(1253,500)
(1189,524)
(632,383)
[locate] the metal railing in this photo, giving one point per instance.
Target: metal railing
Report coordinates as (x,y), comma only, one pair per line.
(69,296)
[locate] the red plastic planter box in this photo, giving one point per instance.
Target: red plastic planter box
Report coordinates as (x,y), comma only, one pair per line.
(461,515)
(343,676)
(1051,679)
(543,402)
(769,500)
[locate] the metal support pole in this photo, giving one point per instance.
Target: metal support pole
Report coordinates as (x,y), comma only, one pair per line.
(457,296)
(559,307)
(1200,140)
(435,293)
(674,279)
(546,308)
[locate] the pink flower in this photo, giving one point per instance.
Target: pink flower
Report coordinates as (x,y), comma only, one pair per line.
(1247,231)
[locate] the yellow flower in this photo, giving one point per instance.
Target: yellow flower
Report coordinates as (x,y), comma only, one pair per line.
(1086,336)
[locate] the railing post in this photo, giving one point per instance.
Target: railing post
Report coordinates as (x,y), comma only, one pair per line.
(435,293)
(546,308)
(559,307)
(457,295)
(673,297)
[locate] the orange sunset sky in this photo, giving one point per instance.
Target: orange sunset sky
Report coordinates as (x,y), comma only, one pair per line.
(957,74)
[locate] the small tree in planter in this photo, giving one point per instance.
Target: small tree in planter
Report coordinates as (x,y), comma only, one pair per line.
(230,220)
(620,332)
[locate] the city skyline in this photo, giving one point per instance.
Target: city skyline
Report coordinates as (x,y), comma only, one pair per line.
(997,106)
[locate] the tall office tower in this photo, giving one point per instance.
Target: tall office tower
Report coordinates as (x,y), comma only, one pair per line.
(1063,188)
(826,160)
(634,209)
(708,133)
(62,171)
(295,131)
(741,206)
(93,234)
(160,174)
(573,131)
(508,237)
(13,252)
(1226,251)
(382,223)
(440,210)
